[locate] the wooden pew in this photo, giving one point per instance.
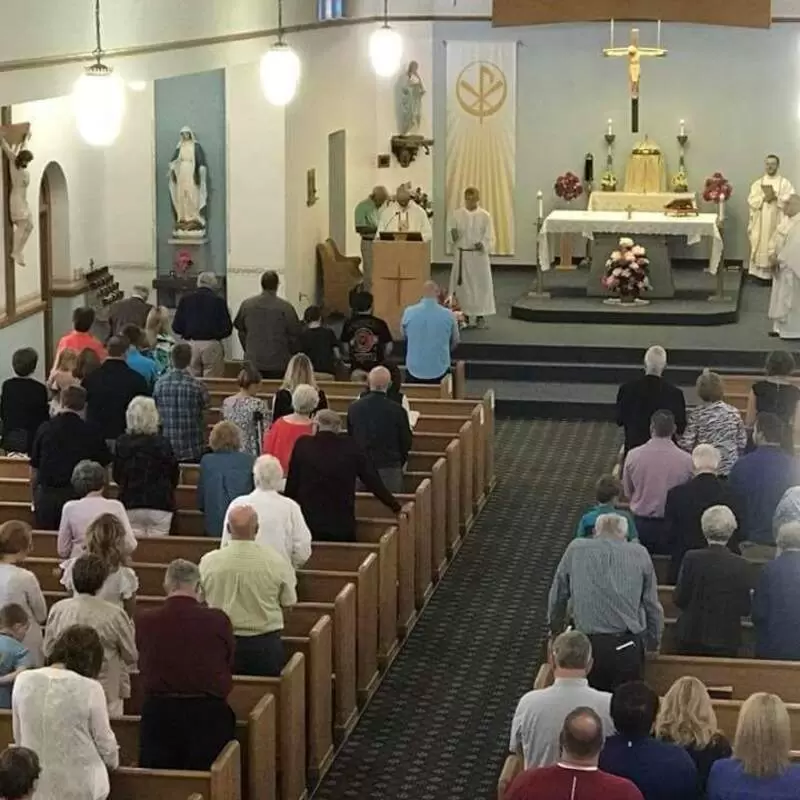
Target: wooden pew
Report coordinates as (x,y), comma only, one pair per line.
(745,676)
(221,782)
(669,637)
(288,692)
(661,564)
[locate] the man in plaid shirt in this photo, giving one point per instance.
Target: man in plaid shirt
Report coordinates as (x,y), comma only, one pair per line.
(182,400)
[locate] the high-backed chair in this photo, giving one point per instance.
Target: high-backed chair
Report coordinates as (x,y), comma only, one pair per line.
(340,275)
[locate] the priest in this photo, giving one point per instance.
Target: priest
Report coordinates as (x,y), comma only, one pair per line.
(403,215)
(471,276)
(767,201)
(784,255)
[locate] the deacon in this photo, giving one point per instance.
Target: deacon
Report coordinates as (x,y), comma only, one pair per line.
(368,214)
(403,215)
(784,255)
(471,276)
(767,200)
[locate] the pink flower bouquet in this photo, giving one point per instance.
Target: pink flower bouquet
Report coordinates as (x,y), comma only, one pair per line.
(568,187)
(626,271)
(717,188)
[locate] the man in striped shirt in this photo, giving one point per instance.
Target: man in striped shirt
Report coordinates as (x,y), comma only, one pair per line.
(611,587)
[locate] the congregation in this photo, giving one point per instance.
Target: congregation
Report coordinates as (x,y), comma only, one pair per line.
(711,495)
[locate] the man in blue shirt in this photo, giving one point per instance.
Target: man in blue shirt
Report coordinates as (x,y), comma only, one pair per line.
(431,333)
(760,479)
(660,770)
(137,360)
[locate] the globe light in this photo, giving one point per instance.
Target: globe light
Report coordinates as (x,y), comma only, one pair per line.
(386,51)
(280,74)
(99,105)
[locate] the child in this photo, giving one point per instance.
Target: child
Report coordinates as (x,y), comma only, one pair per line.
(23,403)
(135,358)
(319,343)
(159,337)
(607,493)
(366,338)
(61,376)
(14,658)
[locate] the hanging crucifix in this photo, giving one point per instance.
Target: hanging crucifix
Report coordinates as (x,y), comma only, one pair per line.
(634,53)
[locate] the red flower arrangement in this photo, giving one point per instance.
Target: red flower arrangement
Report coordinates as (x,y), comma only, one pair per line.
(183,262)
(717,188)
(626,271)
(568,186)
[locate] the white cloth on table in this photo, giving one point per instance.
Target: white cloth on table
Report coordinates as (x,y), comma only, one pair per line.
(641,223)
(476,292)
(784,301)
(619,201)
(764,220)
(62,716)
(18,585)
(413,219)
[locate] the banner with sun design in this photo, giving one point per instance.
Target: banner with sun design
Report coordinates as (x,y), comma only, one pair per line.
(481,131)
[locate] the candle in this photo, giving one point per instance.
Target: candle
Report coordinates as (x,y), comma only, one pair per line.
(539,197)
(610,127)
(683,127)
(612,33)
(721,209)
(658,36)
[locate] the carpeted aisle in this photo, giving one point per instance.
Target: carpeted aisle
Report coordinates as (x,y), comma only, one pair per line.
(437,728)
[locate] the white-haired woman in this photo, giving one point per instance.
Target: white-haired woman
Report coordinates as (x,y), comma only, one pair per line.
(280,521)
(159,337)
(760,768)
(146,470)
(284,432)
(298,372)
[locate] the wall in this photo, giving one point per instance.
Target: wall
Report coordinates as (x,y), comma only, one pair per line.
(29,332)
(567,90)
(196,101)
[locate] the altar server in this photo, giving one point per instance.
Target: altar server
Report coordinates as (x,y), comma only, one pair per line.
(403,215)
(767,201)
(784,254)
(471,276)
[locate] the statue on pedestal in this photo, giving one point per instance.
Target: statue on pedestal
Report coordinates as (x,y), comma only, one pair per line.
(411,90)
(19,157)
(188,187)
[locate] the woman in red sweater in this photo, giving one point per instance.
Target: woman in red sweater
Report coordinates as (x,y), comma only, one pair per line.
(284,432)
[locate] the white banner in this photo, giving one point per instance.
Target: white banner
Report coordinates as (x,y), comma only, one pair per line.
(481,131)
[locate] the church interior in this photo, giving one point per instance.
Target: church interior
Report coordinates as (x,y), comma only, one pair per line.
(617,147)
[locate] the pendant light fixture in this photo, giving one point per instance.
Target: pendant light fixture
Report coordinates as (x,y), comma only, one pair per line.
(99,97)
(280,69)
(386,47)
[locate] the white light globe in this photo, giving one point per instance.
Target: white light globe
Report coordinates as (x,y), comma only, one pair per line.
(99,105)
(280,74)
(386,51)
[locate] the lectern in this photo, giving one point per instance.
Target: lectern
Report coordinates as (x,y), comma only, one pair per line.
(400,268)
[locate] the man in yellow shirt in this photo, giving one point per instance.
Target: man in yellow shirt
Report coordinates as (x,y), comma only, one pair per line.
(252,584)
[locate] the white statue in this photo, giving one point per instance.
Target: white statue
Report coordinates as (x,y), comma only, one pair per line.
(411,90)
(21,216)
(188,186)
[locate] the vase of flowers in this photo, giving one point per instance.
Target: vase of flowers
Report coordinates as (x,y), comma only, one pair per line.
(627,274)
(717,189)
(183,263)
(567,187)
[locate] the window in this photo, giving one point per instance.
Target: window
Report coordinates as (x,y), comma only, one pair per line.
(330,9)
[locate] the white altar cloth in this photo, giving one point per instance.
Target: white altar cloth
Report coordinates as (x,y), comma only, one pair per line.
(619,201)
(641,223)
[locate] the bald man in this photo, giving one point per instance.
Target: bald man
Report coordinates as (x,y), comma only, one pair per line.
(368,214)
(252,583)
(431,333)
(403,215)
(380,427)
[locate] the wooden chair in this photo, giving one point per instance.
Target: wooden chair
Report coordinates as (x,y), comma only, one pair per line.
(340,275)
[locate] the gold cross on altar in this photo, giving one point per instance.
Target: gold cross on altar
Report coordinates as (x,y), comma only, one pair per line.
(634,53)
(398,279)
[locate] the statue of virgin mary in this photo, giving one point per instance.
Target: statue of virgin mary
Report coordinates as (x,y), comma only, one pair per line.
(188,186)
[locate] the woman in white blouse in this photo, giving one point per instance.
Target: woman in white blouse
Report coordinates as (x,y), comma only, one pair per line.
(59,712)
(20,586)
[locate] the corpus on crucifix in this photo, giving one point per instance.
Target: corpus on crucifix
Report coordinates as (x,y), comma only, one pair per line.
(635,53)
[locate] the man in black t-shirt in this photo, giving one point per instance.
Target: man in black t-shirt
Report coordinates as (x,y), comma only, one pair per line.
(319,343)
(366,338)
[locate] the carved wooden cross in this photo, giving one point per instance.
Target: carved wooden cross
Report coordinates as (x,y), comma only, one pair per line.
(398,280)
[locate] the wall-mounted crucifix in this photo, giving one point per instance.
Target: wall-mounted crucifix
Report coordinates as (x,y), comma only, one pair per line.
(635,53)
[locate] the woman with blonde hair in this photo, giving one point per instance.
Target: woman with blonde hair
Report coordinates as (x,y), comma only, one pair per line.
(62,376)
(299,372)
(686,717)
(247,411)
(158,337)
(760,768)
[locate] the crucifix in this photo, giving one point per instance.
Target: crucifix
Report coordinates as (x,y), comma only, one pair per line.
(634,53)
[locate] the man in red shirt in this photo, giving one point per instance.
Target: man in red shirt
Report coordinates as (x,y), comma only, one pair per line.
(80,338)
(576,776)
(186,663)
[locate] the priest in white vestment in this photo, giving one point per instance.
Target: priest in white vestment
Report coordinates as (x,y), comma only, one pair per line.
(471,277)
(767,201)
(403,215)
(784,303)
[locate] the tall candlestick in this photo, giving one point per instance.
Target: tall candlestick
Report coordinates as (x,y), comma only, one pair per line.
(612,33)
(539,197)
(721,209)
(610,126)
(683,127)
(658,35)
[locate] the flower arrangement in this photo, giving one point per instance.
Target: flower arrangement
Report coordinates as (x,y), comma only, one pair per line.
(568,186)
(451,302)
(717,188)
(183,262)
(680,181)
(626,271)
(423,201)
(608,181)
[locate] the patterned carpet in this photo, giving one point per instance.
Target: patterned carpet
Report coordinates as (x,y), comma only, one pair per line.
(437,728)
